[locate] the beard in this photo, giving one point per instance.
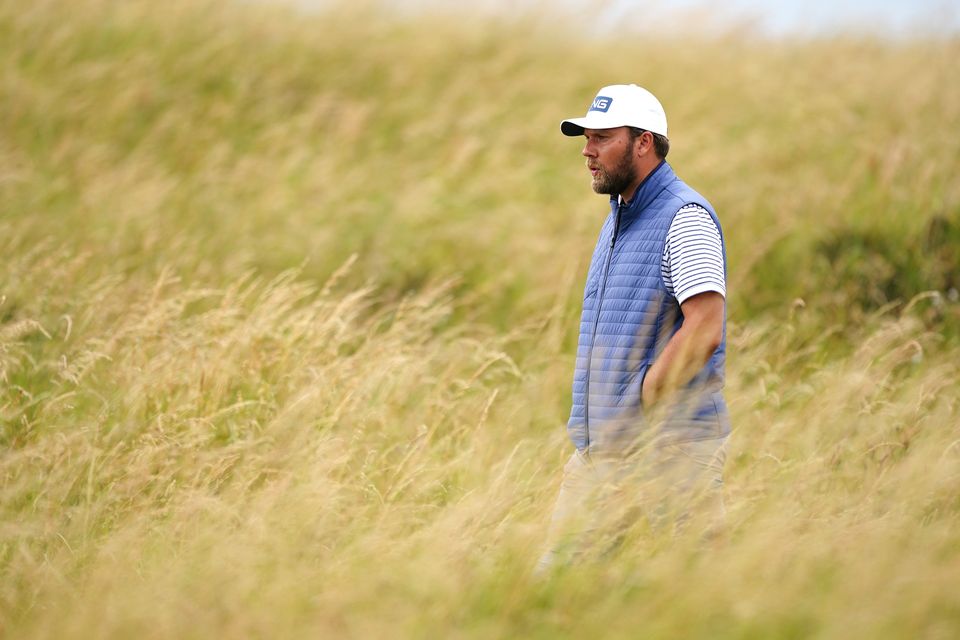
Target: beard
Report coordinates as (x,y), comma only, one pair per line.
(615,181)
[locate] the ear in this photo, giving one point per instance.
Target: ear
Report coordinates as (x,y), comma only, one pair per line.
(643,143)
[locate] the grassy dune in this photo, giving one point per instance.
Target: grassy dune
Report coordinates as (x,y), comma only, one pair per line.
(288,307)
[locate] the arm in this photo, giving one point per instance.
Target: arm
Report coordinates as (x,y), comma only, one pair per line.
(688,350)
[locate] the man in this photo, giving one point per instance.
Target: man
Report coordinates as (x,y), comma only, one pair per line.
(649,421)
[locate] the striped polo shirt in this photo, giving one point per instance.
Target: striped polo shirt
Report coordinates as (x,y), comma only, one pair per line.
(693,256)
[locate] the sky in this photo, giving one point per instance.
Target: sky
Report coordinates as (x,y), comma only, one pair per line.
(891,18)
(806,17)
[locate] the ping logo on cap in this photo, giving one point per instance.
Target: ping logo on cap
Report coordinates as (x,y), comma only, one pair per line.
(600,103)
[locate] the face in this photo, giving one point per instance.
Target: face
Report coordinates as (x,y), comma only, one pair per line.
(610,158)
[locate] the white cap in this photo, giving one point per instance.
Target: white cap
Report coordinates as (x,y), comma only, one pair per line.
(620,105)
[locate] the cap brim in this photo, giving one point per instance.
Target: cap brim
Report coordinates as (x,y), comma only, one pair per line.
(573,126)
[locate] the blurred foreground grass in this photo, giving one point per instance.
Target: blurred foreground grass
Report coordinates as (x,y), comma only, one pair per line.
(288,306)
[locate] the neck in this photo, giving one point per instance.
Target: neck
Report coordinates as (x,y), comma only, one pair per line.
(642,174)
(626,195)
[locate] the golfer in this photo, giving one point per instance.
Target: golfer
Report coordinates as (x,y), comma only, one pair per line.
(649,422)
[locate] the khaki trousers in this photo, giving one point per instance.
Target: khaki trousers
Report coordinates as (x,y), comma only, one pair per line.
(603,495)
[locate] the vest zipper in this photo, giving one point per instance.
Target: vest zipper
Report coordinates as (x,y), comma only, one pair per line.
(596,321)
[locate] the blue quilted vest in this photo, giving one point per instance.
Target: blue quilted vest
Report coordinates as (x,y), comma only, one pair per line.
(628,318)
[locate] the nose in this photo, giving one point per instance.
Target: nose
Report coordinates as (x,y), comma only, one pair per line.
(588,150)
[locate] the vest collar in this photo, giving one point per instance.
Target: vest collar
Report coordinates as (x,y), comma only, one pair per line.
(646,192)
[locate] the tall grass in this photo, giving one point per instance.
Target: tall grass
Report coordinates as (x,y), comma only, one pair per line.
(287,312)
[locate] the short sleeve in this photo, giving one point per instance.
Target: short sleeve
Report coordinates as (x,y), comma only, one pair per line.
(693,255)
